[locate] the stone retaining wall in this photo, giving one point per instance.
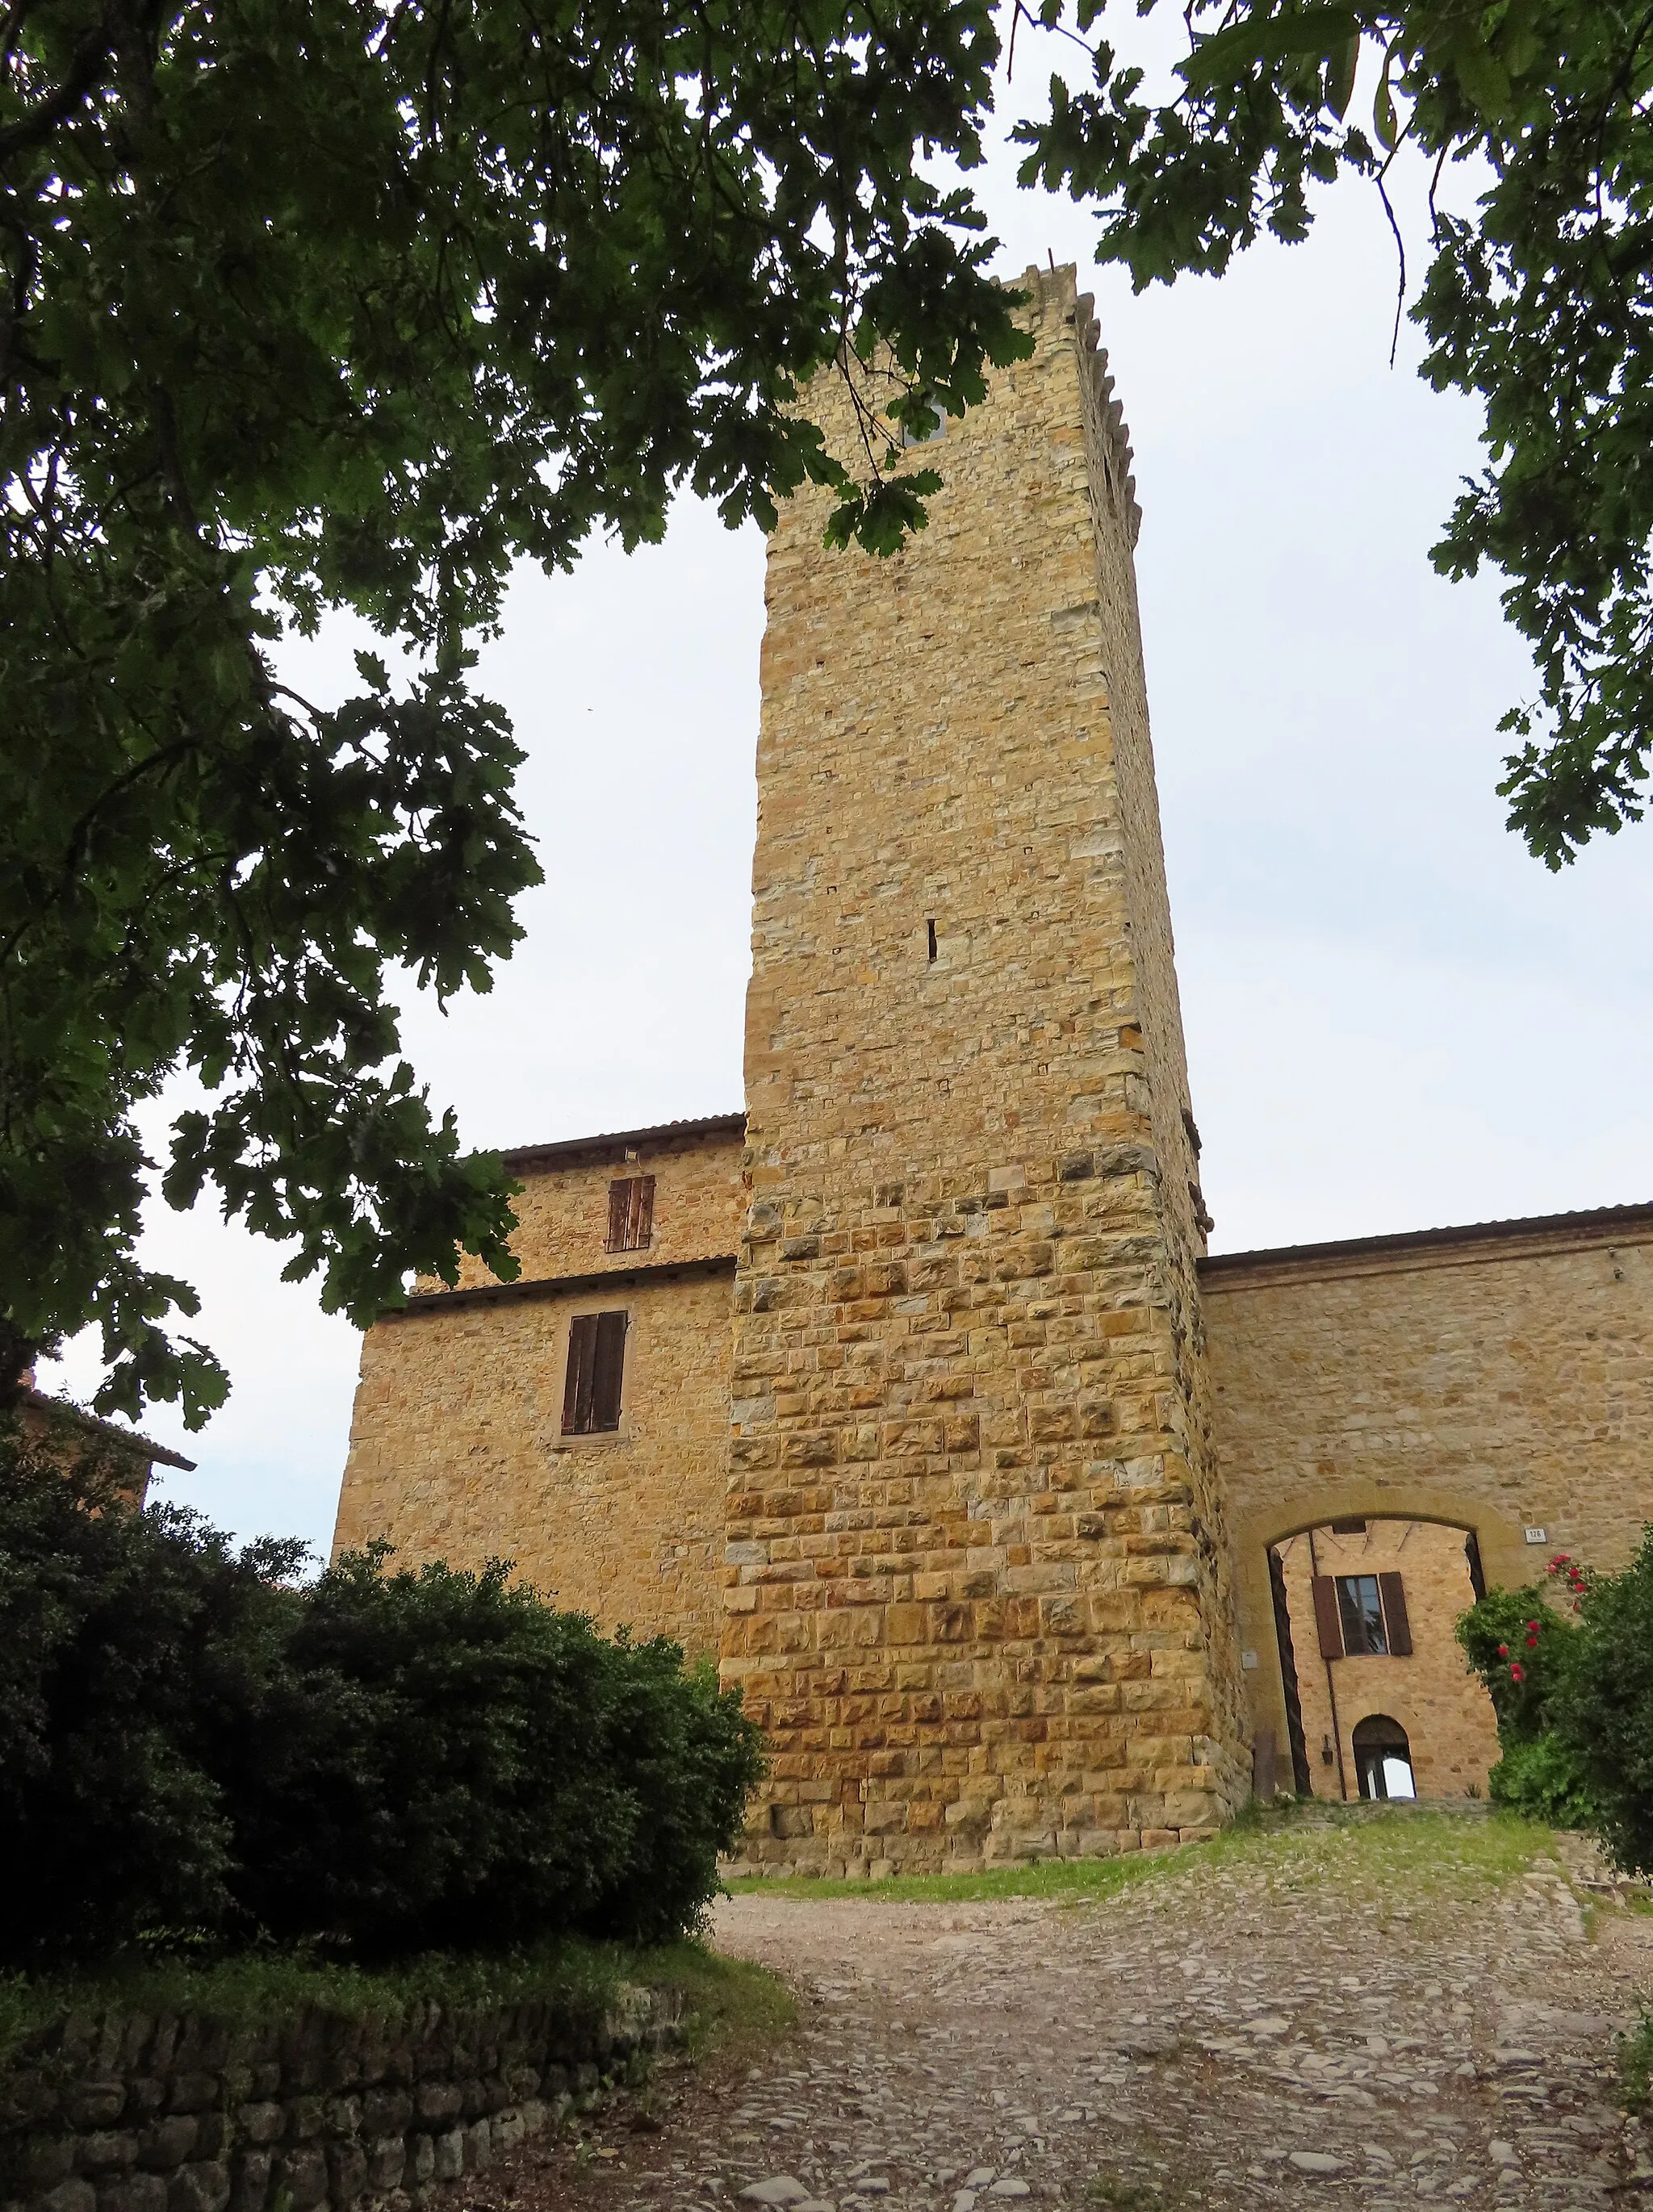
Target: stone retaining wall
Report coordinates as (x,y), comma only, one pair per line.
(129,2113)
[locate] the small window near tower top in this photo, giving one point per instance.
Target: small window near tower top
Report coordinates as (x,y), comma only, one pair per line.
(929,928)
(631,1214)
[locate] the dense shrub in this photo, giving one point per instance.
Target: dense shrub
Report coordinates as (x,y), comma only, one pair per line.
(132,1647)
(1603,1708)
(1574,1698)
(190,1745)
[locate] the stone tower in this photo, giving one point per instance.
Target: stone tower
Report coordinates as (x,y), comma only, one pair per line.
(976,1580)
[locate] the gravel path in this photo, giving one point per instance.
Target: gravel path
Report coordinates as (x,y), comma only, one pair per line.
(1293,2023)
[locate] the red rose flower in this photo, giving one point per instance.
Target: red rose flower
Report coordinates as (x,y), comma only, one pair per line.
(1518,1672)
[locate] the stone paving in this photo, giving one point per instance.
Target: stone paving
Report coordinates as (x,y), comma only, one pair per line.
(1291,2026)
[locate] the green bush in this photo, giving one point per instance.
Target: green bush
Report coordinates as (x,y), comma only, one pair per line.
(379,1764)
(1603,1708)
(1544,1780)
(133,1648)
(1521,1647)
(1574,1700)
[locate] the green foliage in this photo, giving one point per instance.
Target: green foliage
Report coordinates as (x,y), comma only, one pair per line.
(1523,1650)
(735,2007)
(352,306)
(1575,1709)
(135,1645)
(1604,1707)
(1520,1649)
(1635,2066)
(193,1750)
(1543,1779)
(1540,305)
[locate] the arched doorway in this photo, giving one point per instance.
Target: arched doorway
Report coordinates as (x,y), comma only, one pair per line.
(1382,1758)
(1365,1617)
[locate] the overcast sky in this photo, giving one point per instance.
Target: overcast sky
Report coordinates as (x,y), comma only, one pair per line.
(1395,1018)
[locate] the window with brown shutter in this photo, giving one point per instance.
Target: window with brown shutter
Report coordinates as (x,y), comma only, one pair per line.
(631,1214)
(596,1354)
(1395,1624)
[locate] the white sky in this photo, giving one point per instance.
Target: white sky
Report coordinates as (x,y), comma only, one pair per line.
(1395,1018)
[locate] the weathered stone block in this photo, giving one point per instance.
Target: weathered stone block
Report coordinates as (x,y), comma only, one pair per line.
(106,2150)
(93,2104)
(347,2173)
(132,2192)
(301,2170)
(167,2142)
(201,2186)
(250,2181)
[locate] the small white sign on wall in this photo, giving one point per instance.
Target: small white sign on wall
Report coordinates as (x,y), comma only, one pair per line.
(1247,1659)
(1534,1536)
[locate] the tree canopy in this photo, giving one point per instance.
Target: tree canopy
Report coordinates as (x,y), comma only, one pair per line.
(306,306)
(1539,303)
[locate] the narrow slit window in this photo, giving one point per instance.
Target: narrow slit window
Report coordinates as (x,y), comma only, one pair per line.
(631,1214)
(597,1357)
(930,929)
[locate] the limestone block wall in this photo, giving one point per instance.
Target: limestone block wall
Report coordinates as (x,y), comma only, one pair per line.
(976,1580)
(1498,1378)
(563,1209)
(1443,1708)
(457,1450)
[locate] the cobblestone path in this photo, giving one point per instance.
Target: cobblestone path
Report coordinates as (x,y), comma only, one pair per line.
(1309,2020)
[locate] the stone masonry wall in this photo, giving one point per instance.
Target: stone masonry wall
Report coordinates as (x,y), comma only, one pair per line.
(975,1590)
(457,1451)
(563,1209)
(131,2113)
(1502,1383)
(1443,1708)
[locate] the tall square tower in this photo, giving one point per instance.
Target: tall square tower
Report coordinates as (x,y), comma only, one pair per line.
(976,1580)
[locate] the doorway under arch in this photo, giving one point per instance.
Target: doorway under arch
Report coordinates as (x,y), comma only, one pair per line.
(1382,1758)
(1364,1615)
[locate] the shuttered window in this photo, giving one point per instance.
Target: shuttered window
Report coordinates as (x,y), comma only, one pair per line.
(631,1214)
(1362,1616)
(596,1356)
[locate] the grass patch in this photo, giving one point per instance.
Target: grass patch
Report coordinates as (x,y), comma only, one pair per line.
(1426,1850)
(736,2009)
(1635,2066)
(731,2002)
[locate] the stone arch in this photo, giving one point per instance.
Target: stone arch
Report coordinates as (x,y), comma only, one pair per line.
(1506,1559)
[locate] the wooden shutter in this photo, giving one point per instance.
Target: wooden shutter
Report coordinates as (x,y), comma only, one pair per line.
(1395,1624)
(607,1367)
(1326,1618)
(576,1390)
(631,1214)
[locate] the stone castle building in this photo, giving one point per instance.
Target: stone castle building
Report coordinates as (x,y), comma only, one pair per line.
(1023,1525)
